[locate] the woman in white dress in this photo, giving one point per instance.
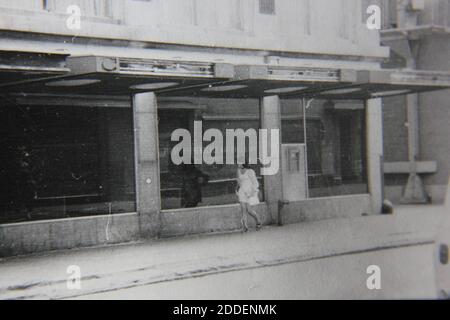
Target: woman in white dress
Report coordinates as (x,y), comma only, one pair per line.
(248,191)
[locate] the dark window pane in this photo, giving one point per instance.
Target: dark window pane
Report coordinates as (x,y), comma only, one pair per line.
(180,187)
(336,148)
(292,131)
(267,7)
(62,162)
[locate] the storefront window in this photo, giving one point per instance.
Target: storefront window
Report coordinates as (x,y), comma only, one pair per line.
(199,185)
(335,135)
(292,129)
(62,162)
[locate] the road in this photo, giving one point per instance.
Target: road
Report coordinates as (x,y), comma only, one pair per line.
(340,277)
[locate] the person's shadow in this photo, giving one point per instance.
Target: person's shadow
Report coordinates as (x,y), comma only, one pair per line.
(193,181)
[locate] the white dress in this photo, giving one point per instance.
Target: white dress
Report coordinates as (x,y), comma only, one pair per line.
(248,186)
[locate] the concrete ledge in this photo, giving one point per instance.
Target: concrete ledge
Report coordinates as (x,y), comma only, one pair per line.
(48,235)
(405,167)
(207,220)
(326,208)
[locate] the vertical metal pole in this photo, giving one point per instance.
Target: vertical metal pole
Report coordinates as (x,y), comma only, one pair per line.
(306,146)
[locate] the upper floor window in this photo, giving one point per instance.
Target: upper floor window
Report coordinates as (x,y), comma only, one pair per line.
(89,8)
(267,7)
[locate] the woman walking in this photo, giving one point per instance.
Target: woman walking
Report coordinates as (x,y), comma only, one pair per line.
(248,191)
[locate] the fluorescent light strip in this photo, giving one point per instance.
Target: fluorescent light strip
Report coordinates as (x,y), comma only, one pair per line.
(224,88)
(72,83)
(285,90)
(154,85)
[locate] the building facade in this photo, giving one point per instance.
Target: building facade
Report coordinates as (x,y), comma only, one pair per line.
(92,92)
(416,128)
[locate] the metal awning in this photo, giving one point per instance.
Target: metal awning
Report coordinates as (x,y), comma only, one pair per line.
(18,68)
(93,75)
(323,83)
(115,76)
(372,84)
(259,81)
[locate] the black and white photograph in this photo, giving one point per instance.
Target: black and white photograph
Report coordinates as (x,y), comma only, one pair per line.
(254,151)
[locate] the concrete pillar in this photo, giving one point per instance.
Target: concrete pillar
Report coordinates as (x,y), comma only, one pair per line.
(374,141)
(148,194)
(414,191)
(271,119)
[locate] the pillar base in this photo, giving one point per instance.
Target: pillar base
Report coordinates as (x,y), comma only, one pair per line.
(414,191)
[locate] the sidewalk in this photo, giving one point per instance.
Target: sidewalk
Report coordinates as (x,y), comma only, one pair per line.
(104,269)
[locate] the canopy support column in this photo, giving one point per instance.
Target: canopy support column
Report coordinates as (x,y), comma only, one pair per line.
(374,144)
(148,195)
(273,184)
